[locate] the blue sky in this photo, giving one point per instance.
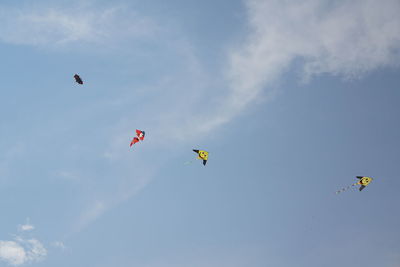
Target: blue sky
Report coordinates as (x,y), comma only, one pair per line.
(292,100)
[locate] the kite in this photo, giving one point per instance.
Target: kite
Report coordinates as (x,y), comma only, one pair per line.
(140,137)
(202,154)
(78,79)
(140,134)
(364,181)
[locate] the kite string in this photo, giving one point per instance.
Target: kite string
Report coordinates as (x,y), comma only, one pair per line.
(346,188)
(189,162)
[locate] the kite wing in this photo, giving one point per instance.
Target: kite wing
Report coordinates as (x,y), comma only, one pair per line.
(78,79)
(134,141)
(362,187)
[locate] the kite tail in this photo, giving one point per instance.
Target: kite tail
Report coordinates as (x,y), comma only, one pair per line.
(346,188)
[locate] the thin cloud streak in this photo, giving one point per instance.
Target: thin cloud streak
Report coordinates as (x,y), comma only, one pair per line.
(66,26)
(59,245)
(27,227)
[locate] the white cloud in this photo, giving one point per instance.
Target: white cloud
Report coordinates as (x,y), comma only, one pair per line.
(35,250)
(26,227)
(347,38)
(21,251)
(12,252)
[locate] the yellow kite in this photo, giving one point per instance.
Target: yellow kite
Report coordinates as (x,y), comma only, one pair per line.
(202,154)
(364,181)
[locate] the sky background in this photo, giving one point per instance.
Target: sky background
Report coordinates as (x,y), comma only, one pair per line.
(292,100)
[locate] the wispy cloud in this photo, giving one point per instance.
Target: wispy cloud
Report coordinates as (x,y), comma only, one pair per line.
(9,157)
(124,190)
(93,211)
(79,24)
(59,244)
(347,38)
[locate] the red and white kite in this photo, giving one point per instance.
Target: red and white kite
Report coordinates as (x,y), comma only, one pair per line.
(140,134)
